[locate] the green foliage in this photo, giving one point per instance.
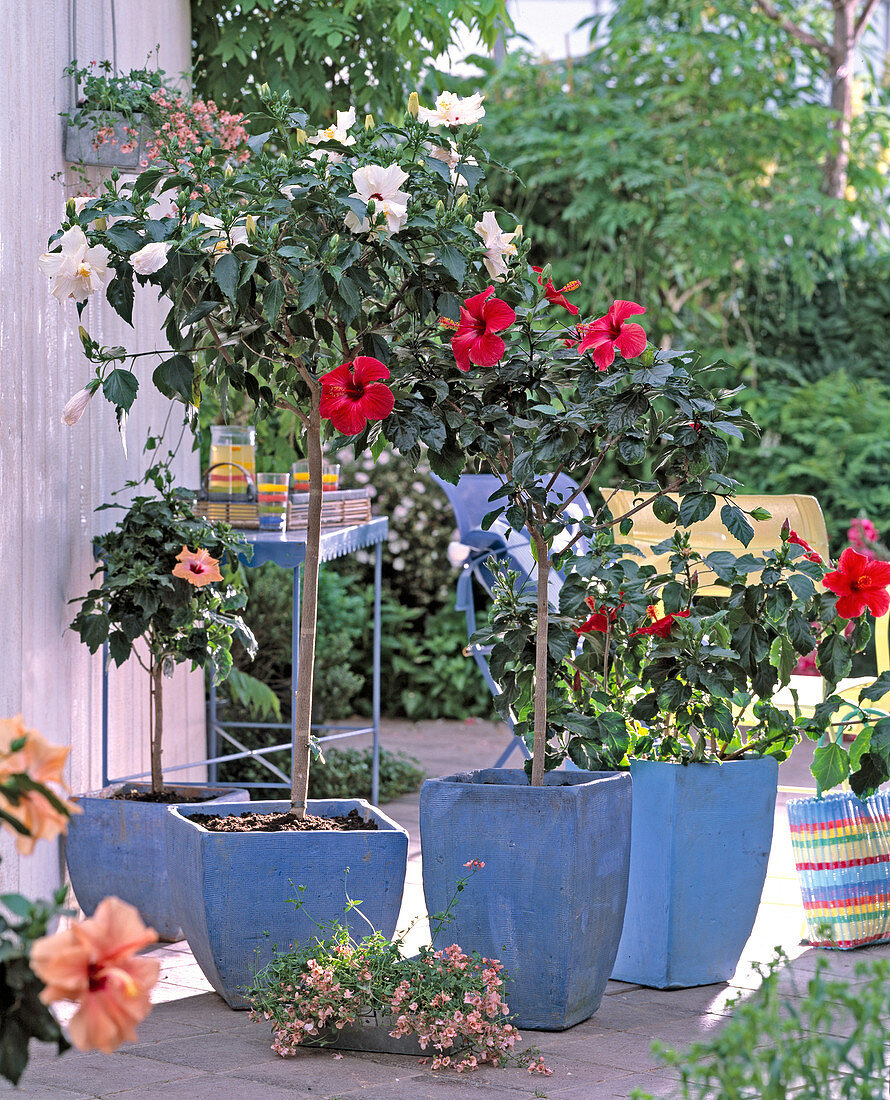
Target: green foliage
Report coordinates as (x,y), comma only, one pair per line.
(431,677)
(346,773)
(828,1038)
(252,695)
(137,596)
(416,568)
(340,614)
(781,335)
(329,54)
(678,162)
(828,438)
(101,89)
(23,1016)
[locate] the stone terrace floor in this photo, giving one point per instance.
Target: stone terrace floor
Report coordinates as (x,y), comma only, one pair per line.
(193,1047)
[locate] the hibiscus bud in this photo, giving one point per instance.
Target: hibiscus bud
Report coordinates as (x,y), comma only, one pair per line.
(301,137)
(369,122)
(517,232)
(228,171)
(372,208)
(469,219)
(648,357)
(334,243)
(462,201)
(786,531)
(263,91)
(76,407)
(414,104)
(195,220)
(440,208)
(250,225)
(150,258)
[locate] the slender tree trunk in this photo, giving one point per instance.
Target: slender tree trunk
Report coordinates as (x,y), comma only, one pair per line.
(540,738)
(308,615)
(156,674)
(840,74)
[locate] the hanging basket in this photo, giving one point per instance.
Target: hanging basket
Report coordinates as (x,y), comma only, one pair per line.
(82,145)
(841,848)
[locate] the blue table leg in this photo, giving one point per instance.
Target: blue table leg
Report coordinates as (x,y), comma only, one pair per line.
(375,705)
(212,733)
(295,658)
(105,714)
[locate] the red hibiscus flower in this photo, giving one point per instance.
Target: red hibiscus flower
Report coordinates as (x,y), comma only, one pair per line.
(558,297)
(605,334)
(859,584)
(481,317)
(795,540)
(352,394)
(661,628)
(600,621)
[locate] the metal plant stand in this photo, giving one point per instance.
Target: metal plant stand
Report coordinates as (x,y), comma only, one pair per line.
(286,549)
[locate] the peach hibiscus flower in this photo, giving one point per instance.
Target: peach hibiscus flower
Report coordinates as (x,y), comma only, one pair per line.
(197,567)
(94,964)
(42,763)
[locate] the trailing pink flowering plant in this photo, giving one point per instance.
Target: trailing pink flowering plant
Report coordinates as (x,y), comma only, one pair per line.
(452,1002)
(179,126)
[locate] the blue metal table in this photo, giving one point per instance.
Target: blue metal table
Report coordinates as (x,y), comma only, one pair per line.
(288,550)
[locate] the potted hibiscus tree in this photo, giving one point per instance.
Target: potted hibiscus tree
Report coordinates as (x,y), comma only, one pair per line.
(160,600)
(310,277)
(543,394)
(690,652)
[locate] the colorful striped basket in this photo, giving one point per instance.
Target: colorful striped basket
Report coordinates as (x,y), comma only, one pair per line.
(842,853)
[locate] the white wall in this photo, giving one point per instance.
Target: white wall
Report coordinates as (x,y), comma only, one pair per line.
(52,477)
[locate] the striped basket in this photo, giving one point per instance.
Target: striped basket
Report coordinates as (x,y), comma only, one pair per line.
(842,854)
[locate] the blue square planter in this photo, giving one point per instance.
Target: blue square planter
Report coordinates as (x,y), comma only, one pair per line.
(118,847)
(232,890)
(700,843)
(549,902)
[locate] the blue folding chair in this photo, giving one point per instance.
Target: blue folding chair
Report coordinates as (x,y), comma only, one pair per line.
(470,502)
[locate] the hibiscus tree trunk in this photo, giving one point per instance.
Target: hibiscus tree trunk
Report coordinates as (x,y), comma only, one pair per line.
(156,723)
(302,702)
(540,727)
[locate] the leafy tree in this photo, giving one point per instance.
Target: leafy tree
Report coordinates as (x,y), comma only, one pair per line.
(848,21)
(329,54)
(683,154)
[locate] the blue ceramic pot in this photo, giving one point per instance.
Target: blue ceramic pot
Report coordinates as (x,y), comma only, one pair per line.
(232,890)
(700,844)
(118,847)
(549,902)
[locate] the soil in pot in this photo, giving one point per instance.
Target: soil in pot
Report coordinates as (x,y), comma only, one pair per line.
(282,823)
(170,796)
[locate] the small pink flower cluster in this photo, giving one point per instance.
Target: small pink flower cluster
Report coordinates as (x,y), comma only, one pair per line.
(105,134)
(188,127)
(451,1001)
(862,535)
(463,1017)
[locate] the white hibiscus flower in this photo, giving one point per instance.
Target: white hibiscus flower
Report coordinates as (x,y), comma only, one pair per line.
(498,245)
(451,110)
(382,185)
(75,270)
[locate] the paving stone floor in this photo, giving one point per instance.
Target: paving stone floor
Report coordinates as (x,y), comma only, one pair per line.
(193,1047)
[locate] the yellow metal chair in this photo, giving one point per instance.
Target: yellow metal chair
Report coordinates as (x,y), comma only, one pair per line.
(805,517)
